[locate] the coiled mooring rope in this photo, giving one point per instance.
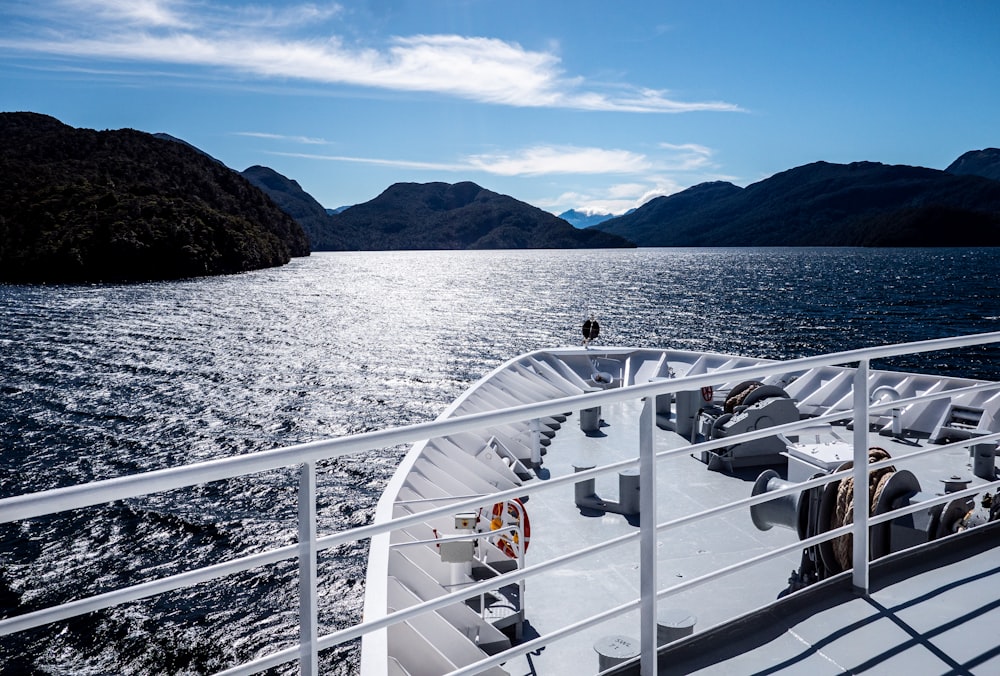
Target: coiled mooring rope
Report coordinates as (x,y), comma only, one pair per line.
(843,546)
(739,393)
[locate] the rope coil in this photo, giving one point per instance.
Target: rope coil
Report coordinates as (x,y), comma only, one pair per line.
(843,546)
(739,393)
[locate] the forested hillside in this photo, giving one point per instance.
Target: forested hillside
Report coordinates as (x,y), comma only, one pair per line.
(85,205)
(824,204)
(318,224)
(460,216)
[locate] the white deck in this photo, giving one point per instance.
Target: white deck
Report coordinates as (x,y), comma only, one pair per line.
(611,577)
(927,613)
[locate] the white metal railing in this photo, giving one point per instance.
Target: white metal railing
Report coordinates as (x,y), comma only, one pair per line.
(311,543)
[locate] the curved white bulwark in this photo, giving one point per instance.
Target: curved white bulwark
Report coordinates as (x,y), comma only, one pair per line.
(547,609)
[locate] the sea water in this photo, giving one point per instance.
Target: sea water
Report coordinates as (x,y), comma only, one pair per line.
(99,381)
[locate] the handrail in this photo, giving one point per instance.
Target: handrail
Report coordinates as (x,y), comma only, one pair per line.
(310,543)
(99,492)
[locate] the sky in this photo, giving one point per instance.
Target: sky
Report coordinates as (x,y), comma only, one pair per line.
(597,106)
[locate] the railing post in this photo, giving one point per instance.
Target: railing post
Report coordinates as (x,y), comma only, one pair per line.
(647,539)
(860,532)
(308,615)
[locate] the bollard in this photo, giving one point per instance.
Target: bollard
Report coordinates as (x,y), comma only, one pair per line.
(584,492)
(615,649)
(590,420)
(628,491)
(673,624)
(984,461)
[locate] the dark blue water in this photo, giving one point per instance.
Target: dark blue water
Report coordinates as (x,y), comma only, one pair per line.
(102,381)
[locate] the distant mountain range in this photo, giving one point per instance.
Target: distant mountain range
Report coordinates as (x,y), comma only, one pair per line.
(984,162)
(819,204)
(317,223)
(581,219)
(427,216)
(82,205)
(824,204)
(459,216)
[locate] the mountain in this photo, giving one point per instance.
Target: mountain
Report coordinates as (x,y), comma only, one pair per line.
(426,216)
(824,204)
(984,163)
(581,219)
(168,137)
(461,216)
(293,200)
(646,224)
(83,205)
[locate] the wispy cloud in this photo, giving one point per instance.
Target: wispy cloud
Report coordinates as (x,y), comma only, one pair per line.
(172,14)
(381,162)
(541,160)
(267,43)
(615,199)
(305,140)
(272,18)
(534,161)
(142,13)
(687,156)
(683,166)
(667,169)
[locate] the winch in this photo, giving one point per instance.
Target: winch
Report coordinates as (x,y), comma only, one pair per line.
(749,406)
(815,511)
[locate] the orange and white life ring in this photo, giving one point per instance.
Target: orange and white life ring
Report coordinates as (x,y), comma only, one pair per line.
(506,514)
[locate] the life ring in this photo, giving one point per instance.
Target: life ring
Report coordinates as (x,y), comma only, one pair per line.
(510,513)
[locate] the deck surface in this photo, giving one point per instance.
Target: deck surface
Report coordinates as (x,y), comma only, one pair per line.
(933,612)
(611,577)
(886,633)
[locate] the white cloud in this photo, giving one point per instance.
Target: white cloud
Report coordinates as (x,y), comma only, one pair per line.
(618,198)
(586,202)
(189,14)
(687,156)
(540,160)
(306,140)
(626,191)
(484,69)
(687,147)
(259,16)
(657,101)
(680,167)
(381,162)
(534,161)
(261,42)
(659,187)
(146,13)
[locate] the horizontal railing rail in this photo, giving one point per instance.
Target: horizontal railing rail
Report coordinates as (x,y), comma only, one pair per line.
(311,543)
(158,481)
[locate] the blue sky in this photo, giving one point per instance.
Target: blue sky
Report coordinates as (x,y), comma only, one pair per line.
(577,104)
